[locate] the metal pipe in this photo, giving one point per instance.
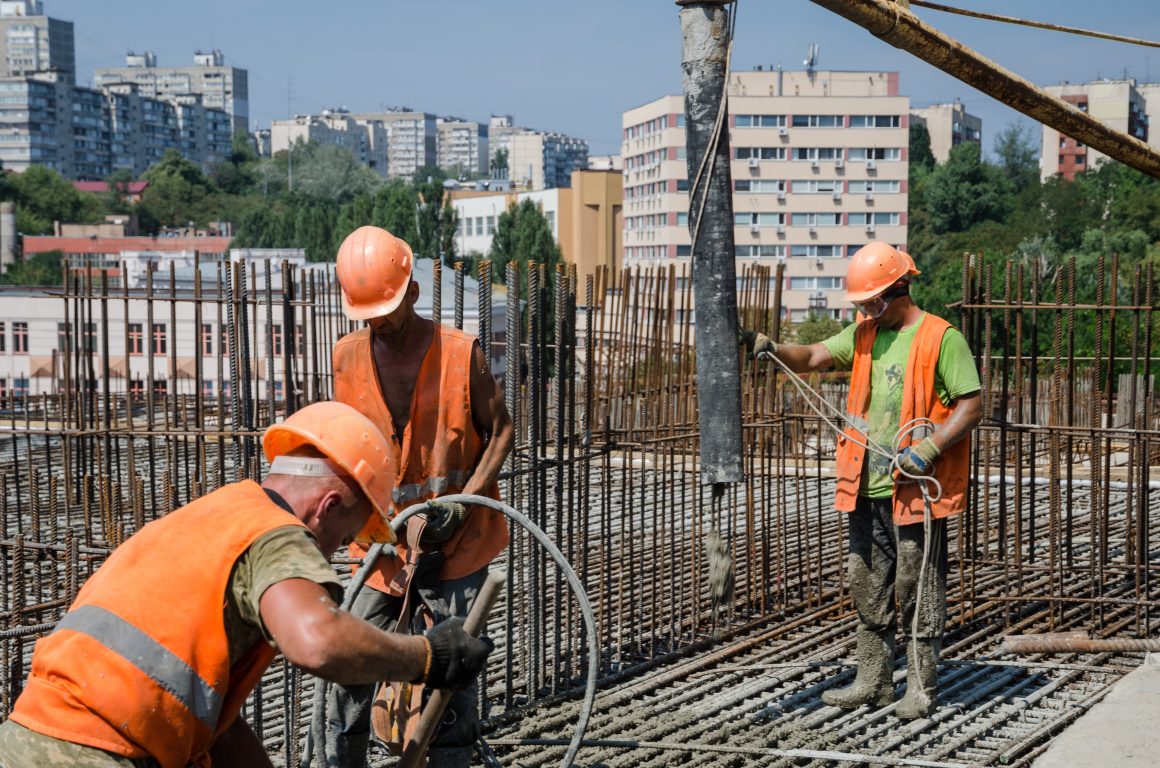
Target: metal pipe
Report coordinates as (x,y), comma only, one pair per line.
(898,26)
(1075,642)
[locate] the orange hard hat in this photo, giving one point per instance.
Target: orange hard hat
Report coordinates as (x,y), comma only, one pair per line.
(374,270)
(874,268)
(354,444)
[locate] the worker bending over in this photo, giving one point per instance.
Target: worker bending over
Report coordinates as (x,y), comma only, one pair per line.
(431,392)
(151,663)
(905,364)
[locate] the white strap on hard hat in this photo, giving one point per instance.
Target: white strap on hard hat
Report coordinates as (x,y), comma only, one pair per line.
(305,466)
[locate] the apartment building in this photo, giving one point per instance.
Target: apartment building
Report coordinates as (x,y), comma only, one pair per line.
(365,139)
(541,160)
(412,140)
(463,146)
(31,42)
(819,167)
(1119,104)
(949,125)
(219,85)
(585,217)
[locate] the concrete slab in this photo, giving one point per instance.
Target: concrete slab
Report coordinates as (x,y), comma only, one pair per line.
(1122,730)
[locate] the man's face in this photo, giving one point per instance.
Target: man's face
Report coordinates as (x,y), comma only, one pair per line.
(346,515)
(390,326)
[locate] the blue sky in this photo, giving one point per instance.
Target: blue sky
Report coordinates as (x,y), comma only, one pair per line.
(571,65)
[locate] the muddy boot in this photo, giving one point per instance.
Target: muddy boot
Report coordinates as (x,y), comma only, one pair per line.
(874,683)
(921,681)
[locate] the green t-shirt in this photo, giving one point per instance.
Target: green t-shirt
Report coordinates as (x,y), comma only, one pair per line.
(955,376)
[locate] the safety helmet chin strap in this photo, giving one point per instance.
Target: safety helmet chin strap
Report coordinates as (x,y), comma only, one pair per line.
(305,466)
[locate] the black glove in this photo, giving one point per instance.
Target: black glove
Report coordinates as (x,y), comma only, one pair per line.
(456,657)
(757,345)
(443,518)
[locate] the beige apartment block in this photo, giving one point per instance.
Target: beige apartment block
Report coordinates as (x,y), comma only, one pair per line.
(366,139)
(462,146)
(949,125)
(819,169)
(1119,104)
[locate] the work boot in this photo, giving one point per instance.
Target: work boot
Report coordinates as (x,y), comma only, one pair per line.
(921,678)
(874,684)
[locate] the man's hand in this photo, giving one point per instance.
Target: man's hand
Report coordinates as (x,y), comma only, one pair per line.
(758,345)
(443,519)
(456,658)
(917,460)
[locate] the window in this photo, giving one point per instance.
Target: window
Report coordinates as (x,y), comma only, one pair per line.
(206,339)
(761,153)
(3,387)
(159,388)
(63,337)
(299,341)
(759,186)
(491,225)
(816,219)
(682,185)
(20,339)
(159,339)
(816,251)
(684,250)
(759,251)
(817,121)
(136,339)
(759,121)
(3,337)
(875,121)
(137,388)
(875,153)
(20,386)
(551,217)
(816,186)
(758,219)
(884,219)
(207,389)
(879,186)
(682,219)
(817,153)
(90,337)
(815,283)
(276,340)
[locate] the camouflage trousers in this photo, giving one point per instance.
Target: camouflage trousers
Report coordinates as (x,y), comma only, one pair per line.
(22,747)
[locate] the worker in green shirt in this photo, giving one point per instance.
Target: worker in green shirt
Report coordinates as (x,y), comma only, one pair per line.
(912,377)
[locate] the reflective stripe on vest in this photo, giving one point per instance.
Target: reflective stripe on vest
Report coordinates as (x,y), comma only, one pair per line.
(149,656)
(431,486)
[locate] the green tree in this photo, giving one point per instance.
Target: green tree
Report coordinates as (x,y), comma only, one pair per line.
(238,174)
(43,196)
(815,328)
(964,191)
(328,172)
(1018,155)
(41,269)
(920,155)
(499,164)
(178,193)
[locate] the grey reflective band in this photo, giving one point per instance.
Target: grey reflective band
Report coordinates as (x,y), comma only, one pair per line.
(304,466)
(435,485)
(160,664)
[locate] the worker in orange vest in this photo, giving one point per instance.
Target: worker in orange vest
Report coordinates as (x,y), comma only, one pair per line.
(430,390)
(906,364)
(152,662)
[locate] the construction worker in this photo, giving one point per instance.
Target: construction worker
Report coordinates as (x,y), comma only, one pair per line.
(431,392)
(152,662)
(905,364)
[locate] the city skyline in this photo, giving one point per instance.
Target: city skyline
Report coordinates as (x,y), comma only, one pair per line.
(581,87)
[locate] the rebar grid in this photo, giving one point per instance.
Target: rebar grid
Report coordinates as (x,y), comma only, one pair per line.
(1057,533)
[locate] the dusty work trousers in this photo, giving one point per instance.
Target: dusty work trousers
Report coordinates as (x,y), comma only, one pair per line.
(884,559)
(348,708)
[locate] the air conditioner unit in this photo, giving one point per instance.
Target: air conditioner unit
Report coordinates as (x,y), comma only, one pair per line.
(781,229)
(870,228)
(755,229)
(871,165)
(783,131)
(781,194)
(869,197)
(839,163)
(754,162)
(837,194)
(813,230)
(813,164)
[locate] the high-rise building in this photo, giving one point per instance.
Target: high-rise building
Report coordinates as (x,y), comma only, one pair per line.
(949,125)
(219,85)
(819,169)
(1118,104)
(540,160)
(366,139)
(411,139)
(31,42)
(462,146)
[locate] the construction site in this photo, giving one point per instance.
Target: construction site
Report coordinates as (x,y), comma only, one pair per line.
(707,606)
(1057,536)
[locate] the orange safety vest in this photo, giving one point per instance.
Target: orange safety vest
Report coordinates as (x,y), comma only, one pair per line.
(139,666)
(440,445)
(918,399)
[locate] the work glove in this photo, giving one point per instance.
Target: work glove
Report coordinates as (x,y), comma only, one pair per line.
(443,518)
(454,658)
(917,460)
(757,345)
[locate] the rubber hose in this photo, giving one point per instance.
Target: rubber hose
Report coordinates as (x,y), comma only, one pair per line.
(397,523)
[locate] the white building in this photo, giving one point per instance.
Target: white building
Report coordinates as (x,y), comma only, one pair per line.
(412,140)
(819,169)
(31,42)
(478,215)
(1119,104)
(462,147)
(365,139)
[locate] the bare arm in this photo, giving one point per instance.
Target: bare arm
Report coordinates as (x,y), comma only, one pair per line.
(491,418)
(967,414)
(805,358)
(315,634)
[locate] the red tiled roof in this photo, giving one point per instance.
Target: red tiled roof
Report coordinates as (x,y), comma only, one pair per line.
(132,188)
(102,245)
